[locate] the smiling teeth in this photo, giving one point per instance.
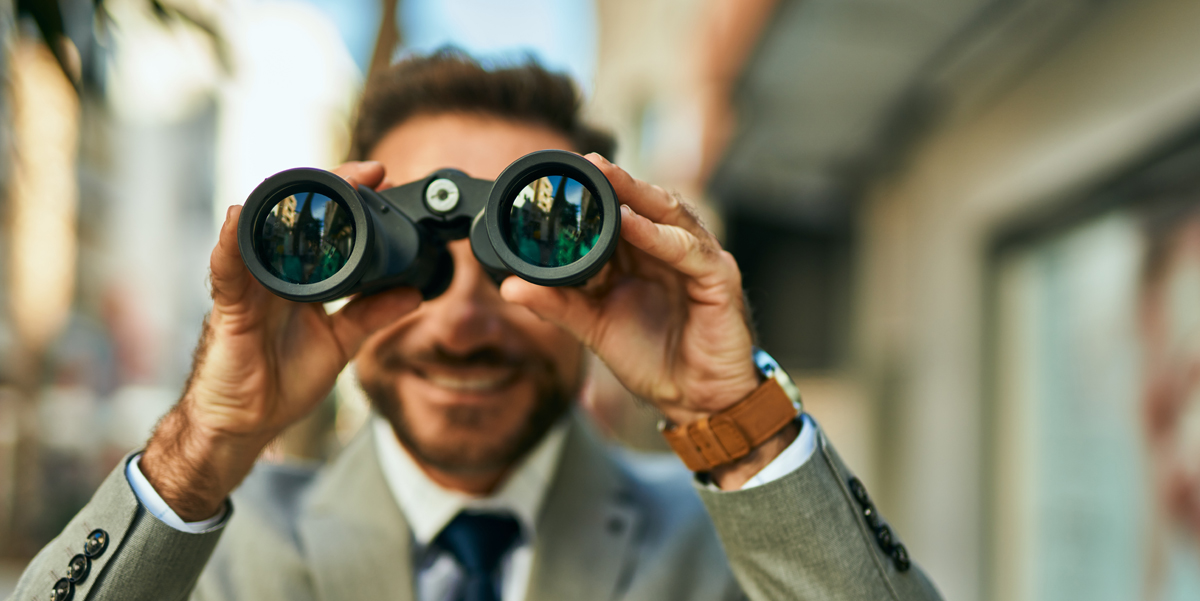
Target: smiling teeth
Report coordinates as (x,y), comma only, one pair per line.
(465,384)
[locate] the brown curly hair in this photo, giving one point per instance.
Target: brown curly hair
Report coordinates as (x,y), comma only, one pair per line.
(450,81)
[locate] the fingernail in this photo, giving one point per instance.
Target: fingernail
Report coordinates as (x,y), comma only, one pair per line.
(601,157)
(626,212)
(229,213)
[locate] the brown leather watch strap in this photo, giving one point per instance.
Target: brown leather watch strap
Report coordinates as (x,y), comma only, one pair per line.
(731,434)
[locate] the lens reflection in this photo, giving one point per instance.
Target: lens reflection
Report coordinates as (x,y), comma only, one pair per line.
(307,237)
(554,221)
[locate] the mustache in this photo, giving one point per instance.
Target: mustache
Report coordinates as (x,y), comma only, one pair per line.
(485,356)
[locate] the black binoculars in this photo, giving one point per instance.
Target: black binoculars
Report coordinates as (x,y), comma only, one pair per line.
(551,218)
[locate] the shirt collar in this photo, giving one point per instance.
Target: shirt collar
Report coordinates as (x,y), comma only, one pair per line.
(428,507)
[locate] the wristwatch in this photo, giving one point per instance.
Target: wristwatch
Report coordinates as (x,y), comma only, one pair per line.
(731,434)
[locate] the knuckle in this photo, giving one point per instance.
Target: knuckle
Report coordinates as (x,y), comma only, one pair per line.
(728,260)
(614,173)
(667,392)
(733,273)
(706,248)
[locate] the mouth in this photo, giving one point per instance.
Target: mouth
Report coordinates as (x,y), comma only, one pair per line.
(469,383)
(468,380)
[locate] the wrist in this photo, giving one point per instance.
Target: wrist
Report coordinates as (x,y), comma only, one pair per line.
(733,476)
(194,468)
(729,396)
(747,432)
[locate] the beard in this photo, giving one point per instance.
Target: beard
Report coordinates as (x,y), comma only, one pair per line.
(471,454)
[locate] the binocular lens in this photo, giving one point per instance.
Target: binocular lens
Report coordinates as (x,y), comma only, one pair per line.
(554,221)
(306,238)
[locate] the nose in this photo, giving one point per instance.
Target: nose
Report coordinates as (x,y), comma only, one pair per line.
(468,314)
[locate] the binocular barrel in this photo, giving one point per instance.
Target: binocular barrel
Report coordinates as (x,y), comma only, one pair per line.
(551,218)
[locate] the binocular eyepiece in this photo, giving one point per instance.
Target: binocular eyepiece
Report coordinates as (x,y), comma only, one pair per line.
(551,218)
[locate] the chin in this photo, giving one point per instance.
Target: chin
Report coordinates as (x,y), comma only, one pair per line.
(469,431)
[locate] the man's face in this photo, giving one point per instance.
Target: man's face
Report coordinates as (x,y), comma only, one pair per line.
(469,381)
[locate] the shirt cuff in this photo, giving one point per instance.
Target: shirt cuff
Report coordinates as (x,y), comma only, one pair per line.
(790,460)
(157,507)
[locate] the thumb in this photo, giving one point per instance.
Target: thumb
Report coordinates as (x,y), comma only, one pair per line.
(229,277)
(567,307)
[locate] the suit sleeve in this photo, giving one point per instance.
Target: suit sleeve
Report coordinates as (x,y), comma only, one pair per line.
(813,534)
(118,551)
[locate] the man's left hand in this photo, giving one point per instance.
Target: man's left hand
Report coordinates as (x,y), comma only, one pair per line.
(666,314)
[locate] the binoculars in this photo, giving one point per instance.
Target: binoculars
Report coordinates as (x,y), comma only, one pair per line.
(551,218)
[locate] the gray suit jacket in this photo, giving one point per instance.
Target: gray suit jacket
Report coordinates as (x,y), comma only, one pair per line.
(612,526)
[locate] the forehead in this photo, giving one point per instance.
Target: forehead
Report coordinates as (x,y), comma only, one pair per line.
(480,145)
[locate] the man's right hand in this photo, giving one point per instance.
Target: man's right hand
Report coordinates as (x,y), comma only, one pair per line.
(262,363)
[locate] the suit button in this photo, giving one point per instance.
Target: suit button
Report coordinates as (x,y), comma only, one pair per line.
(96,543)
(63,590)
(859,491)
(883,534)
(78,569)
(900,558)
(872,517)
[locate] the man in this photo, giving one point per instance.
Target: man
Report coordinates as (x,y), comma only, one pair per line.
(477,481)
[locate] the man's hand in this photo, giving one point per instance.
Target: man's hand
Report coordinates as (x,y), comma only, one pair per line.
(263,362)
(666,314)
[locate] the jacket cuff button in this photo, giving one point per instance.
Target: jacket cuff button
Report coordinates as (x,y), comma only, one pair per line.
(79,567)
(900,558)
(96,543)
(884,535)
(859,491)
(872,517)
(64,590)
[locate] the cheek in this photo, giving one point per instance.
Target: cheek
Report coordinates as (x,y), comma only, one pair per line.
(551,342)
(404,329)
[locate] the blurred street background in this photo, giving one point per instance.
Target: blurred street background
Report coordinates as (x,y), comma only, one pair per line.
(970,229)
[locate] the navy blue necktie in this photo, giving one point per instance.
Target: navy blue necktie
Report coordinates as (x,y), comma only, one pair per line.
(478,541)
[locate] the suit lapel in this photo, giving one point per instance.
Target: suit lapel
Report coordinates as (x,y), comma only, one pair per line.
(586,527)
(356,540)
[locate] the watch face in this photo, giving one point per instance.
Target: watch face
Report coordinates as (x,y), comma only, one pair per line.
(769,368)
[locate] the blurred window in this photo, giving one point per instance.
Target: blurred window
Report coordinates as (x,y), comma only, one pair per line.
(1095,461)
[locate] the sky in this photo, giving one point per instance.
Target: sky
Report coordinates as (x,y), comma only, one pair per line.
(559,33)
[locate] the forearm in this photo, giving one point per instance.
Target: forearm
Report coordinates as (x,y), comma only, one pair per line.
(735,475)
(143,558)
(805,536)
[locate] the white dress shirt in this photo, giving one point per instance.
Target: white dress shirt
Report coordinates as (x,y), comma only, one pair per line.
(427,507)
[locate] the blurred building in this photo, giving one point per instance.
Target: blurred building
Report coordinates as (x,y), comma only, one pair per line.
(986,167)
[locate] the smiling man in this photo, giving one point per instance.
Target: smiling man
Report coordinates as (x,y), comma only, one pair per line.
(476,480)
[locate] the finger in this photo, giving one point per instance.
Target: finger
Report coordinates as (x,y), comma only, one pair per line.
(566,307)
(672,245)
(228,273)
(365,315)
(362,173)
(649,200)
